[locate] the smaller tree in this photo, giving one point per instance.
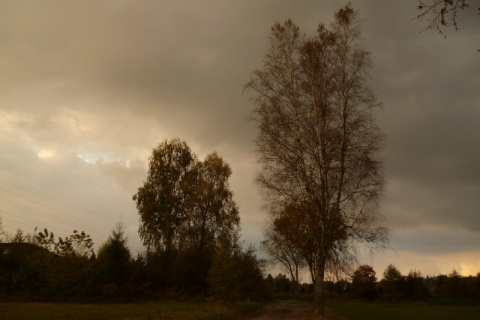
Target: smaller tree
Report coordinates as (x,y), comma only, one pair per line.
(185,207)
(213,211)
(114,258)
(163,199)
(282,284)
(224,276)
(282,247)
(456,286)
(293,248)
(392,283)
(251,275)
(185,204)
(19,237)
(236,274)
(415,287)
(364,282)
(3,236)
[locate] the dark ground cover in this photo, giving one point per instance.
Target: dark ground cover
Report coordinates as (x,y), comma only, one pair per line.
(137,311)
(369,311)
(215,311)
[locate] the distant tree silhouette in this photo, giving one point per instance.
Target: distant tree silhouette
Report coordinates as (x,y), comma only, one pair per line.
(235,273)
(415,287)
(3,236)
(392,283)
(19,237)
(364,282)
(78,244)
(114,258)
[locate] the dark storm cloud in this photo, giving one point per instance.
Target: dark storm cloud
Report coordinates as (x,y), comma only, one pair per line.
(127,175)
(429,87)
(436,241)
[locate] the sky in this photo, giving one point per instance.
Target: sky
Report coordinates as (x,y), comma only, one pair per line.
(89,88)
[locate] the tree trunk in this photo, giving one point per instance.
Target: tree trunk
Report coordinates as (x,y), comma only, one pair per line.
(320,288)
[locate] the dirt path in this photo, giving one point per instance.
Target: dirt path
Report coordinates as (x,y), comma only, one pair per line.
(282,309)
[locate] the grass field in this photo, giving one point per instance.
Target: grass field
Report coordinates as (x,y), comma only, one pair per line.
(206,311)
(358,311)
(140,311)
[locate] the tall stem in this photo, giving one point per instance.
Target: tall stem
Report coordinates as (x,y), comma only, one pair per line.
(320,288)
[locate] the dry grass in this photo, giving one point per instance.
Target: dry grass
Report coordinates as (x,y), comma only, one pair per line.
(329,315)
(366,311)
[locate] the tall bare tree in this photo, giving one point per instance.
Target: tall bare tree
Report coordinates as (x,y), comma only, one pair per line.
(318,143)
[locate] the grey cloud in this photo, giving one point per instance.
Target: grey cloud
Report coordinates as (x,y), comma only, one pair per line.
(429,88)
(436,241)
(127,175)
(411,204)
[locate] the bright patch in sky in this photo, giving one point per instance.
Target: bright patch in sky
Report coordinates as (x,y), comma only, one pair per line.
(81,157)
(470,268)
(46,154)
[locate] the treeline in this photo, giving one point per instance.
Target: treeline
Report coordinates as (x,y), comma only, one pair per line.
(189,225)
(41,267)
(452,289)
